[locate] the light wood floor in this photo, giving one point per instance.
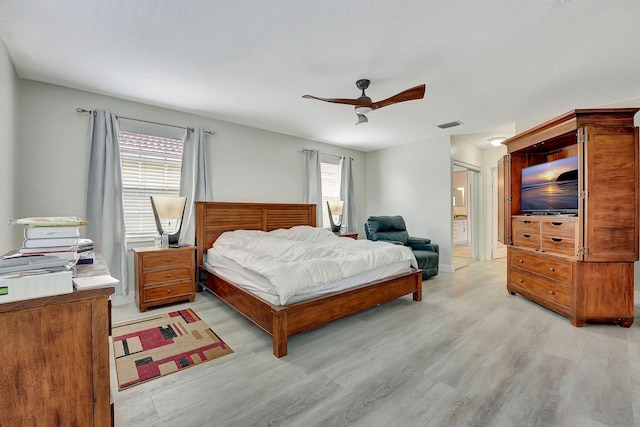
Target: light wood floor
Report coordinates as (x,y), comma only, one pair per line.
(467,355)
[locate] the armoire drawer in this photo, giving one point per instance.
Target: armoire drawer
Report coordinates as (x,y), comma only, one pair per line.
(542,287)
(560,229)
(559,245)
(526,226)
(552,267)
(527,240)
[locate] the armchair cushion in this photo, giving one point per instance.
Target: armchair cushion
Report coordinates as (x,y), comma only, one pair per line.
(418,240)
(387,228)
(424,247)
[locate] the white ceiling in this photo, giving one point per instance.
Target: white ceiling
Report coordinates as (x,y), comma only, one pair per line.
(489,63)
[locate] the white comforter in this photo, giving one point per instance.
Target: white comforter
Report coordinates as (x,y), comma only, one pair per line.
(305,257)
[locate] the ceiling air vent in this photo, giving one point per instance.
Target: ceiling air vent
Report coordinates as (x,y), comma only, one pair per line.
(450,124)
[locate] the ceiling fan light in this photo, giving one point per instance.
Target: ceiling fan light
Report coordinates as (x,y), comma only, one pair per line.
(363,110)
(497,140)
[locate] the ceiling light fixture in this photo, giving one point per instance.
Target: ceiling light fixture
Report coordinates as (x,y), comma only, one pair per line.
(363,110)
(496,141)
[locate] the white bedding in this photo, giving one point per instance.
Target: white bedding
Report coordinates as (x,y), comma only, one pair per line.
(304,260)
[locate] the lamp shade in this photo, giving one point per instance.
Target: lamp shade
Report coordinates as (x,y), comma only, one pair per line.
(169,206)
(336,207)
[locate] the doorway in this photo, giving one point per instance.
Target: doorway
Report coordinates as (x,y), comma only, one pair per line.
(466,218)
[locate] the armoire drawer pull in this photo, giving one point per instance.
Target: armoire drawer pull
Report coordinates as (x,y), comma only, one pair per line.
(168,291)
(552,269)
(551,293)
(521,261)
(168,260)
(168,274)
(557,224)
(555,239)
(520,280)
(527,236)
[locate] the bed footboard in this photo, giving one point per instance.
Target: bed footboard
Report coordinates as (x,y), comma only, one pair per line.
(281,322)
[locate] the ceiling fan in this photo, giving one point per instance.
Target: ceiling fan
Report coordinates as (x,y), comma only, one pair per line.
(363,104)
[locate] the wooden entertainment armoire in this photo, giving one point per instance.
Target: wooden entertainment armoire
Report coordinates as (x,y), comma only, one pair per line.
(580,266)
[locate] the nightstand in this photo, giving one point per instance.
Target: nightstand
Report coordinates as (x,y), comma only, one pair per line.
(353,236)
(164,275)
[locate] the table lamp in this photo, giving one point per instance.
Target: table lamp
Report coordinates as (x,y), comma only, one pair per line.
(168,212)
(335,209)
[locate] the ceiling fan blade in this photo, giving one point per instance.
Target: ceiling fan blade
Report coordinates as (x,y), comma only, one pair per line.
(356,102)
(361,119)
(407,95)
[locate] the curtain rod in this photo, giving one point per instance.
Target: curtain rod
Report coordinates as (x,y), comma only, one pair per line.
(82,110)
(304,150)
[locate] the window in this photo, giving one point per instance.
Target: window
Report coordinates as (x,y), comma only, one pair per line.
(330,176)
(151,166)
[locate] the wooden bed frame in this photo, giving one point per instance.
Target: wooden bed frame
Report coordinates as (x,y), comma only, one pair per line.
(281,322)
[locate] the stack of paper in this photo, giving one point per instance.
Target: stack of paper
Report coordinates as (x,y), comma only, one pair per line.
(91,282)
(36,276)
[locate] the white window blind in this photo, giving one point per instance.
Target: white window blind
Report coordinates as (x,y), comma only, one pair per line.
(151,166)
(330,176)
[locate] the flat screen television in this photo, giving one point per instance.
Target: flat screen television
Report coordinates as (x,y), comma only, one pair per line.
(550,188)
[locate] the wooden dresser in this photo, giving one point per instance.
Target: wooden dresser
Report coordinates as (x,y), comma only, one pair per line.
(55,358)
(164,275)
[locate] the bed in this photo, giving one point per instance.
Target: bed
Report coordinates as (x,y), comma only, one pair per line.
(283,321)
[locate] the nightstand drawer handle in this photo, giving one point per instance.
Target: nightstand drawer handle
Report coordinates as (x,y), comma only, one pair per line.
(168,260)
(551,293)
(551,269)
(169,275)
(168,291)
(521,261)
(520,280)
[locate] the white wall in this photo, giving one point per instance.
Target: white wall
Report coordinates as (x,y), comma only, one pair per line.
(247,164)
(414,180)
(8,108)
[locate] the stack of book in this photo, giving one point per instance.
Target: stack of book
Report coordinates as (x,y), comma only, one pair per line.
(55,236)
(60,241)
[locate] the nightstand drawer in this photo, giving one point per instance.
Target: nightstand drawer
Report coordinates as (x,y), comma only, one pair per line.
(166,275)
(168,259)
(155,293)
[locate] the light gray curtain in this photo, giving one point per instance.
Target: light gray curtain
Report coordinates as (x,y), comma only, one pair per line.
(104,209)
(347,195)
(194,182)
(312,192)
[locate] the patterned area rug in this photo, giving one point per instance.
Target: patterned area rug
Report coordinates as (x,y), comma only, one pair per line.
(149,348)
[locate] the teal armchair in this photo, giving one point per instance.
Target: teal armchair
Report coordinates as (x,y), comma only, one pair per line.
(394,230)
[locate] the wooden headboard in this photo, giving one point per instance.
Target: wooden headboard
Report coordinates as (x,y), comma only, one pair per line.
(214,218)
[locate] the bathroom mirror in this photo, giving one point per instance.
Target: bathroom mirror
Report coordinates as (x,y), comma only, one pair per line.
(458,197)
